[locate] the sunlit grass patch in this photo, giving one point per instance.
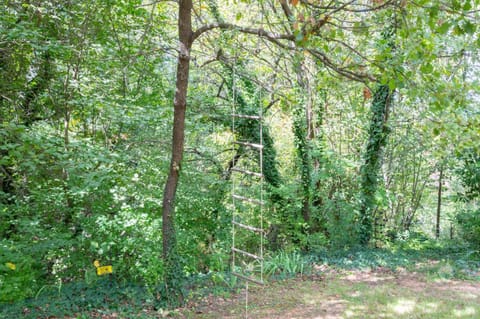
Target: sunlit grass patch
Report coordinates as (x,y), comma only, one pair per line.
(404,300)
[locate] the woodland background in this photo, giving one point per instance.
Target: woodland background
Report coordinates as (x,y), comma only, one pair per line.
(371,132)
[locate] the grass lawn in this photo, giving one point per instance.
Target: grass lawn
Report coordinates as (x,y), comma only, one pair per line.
(378,293)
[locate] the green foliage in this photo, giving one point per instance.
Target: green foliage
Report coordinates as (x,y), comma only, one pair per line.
(86,89)
(285,265)
(337,214)
(288,228)
(248,101)
(19,273)
(469,173)
(469,224)
(436,259)
(107,295)
(468,220)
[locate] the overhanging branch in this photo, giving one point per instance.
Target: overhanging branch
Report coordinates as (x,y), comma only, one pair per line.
(228,26)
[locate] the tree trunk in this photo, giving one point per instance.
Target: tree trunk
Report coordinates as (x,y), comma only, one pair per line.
(249,130)
(178,137)
(30,112)
(302,145)
(302,122)
(439,203)
(67,218)
(377,138)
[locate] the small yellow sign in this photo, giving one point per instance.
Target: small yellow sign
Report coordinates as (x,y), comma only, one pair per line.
(103,270)
(11,266)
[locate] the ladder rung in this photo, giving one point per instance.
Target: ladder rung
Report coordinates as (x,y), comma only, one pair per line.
(256,281)
(243,252)
(253,145)
(255,229)
(249,200)
(244,171)
(243,116)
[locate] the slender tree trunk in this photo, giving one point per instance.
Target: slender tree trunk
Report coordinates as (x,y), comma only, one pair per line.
(68,92)
(178,138)
(306,140)
(65,175)
(439,203)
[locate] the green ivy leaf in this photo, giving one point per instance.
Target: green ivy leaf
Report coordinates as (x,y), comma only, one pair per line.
(469,27)
(434,11)
(467,6)
(458,30)
(443,28)
(391,84)
(456,5)
(426,68)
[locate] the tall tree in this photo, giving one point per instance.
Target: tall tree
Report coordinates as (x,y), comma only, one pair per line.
(178,140)
(377,137)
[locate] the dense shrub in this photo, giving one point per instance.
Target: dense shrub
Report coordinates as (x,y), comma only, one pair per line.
(469,224)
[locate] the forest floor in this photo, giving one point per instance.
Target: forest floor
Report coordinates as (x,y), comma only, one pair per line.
(419,280)
(333,293)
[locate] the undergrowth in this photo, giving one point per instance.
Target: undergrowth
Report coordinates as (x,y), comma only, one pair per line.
(107,294)
(449,260)
(112,295)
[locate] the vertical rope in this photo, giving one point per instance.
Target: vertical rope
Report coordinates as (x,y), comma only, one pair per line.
(261,188)
(261,158)
(246,301)
(234,90)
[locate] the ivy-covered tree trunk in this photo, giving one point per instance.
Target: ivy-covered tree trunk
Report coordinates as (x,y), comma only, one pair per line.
(377,137)
(249,129)
(30,112)
(172,269)
(302,144)
(439,203)
(302,121)
(319,147)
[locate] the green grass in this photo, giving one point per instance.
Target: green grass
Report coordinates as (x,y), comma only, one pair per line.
(350,294)
(392,300)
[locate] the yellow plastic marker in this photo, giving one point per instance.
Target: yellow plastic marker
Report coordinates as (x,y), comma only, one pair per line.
(11,266)
(103,270)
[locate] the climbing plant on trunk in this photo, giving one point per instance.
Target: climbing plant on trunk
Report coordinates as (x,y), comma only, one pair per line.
(377,138)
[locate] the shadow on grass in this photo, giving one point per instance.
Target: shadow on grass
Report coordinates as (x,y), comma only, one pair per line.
(447,259)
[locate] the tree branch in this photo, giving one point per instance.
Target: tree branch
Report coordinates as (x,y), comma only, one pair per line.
(228,26)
